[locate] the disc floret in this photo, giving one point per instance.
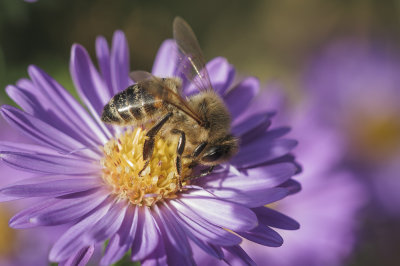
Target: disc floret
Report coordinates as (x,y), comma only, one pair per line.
(123,161)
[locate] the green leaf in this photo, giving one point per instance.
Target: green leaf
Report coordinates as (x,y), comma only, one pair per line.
(126,261)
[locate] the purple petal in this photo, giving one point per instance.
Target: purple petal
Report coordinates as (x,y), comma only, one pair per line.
(5,198)
(59,211)
(54,105)
(26,84)
(263,235)
(219,212)
(26,148)
(252,123)
(29,102)
(213,250)
(61,109)
(81,258)
(221,76)
(178,253)
(32,158)
(239,98)
(176,236)
(110,224)
(292,186)
(209,249)
(49,186)
(236,252)
(203,229)
(37,107)
(273,195)
(120,62)
(259,178)
(166,60)
(288,158)
(206,247)
(275,219)
(121,242)
(48,164)
(103,58)
(277,132)
(157,258)
(204,259)
(149,236)
(21,219)
(73,239)
(261,131)
(262,150)
(43,132)
(251,198)
(89,84)
(266,101)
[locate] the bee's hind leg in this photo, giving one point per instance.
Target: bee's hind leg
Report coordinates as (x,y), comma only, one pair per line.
(148,146)
(179,151)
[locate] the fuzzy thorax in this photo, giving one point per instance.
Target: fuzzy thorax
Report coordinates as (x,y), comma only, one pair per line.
(123,160)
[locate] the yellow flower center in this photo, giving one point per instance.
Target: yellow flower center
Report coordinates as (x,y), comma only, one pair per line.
(376,137)
(123,160)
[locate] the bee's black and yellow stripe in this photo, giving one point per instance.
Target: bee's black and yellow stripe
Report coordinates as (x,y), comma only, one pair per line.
(131,106)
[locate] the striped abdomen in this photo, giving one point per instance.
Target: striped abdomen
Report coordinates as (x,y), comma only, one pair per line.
(131,106)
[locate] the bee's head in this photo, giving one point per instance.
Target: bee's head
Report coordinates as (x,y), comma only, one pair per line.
(220,151)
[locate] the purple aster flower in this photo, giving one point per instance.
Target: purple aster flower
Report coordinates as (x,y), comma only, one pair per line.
(327,208)
(87,172)
(355,86)
(352,81)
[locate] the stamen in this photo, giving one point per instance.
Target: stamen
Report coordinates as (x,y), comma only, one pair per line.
(123,160)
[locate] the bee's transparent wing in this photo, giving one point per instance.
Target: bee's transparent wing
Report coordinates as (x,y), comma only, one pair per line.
(140,75)
(155,87)
(191,61)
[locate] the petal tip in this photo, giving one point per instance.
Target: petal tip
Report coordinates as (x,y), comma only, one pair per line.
(77,50)
(5,108)
(101,39)
(119,37)
(119,33)
(10,89)
(168,43)
(33,70)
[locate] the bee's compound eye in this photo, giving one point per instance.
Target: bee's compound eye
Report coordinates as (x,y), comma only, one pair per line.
(214,154)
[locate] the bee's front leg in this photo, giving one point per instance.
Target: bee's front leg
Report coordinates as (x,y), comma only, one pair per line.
(205,173)
(179,151)
(148,146)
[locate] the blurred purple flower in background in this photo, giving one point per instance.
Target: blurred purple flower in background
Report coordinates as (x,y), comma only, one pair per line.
(356,90)
(83,164)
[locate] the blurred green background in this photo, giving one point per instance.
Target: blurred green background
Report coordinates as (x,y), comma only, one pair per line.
(268,39)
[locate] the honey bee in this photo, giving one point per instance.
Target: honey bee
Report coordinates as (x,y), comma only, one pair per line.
(202,122)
